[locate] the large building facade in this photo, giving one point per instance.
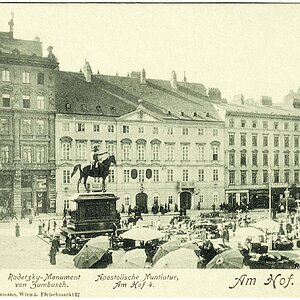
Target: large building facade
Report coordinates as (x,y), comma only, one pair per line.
(27,150)
(175,143)
(164,155)
(261,151)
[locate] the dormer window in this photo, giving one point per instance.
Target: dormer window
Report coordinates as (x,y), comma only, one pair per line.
(68,106)
(99,108)
(83,107)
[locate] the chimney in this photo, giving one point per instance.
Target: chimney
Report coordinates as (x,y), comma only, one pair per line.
(11,26)
(239,99)
(87,71)
(143,76)
(266,100)
(173,80)
(214,93)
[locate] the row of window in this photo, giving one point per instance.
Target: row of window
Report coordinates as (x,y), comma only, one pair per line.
(265,140)
(26,77)
(81,151)
(81,127)
(26,101)
(266,177)
(170,198)
(265,124)
(29,154)
(265,158)
(155,178)
(29,126)
(155,199)
(170,130)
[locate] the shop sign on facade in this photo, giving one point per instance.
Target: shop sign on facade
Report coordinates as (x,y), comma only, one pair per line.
(41,183)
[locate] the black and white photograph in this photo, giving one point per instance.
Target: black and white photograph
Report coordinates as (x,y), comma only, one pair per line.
(149,136)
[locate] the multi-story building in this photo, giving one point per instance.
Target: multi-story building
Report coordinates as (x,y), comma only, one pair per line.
(27,150)
(165,136)
(261,149)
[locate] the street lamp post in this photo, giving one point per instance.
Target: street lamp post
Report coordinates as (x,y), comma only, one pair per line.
(270,196)
(286,195)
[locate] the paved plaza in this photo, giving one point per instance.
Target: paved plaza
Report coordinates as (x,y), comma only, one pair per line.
(30,251)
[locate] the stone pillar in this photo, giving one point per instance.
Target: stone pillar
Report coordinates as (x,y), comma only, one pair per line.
(34,188)
(238,198)
(51,186)
(17,193)
(52,189)
(17,160)
(52,139)
(16,132)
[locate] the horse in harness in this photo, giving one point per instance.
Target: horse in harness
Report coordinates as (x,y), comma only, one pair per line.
(101,171)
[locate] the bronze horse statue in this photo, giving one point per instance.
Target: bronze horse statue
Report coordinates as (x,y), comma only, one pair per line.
(102,171)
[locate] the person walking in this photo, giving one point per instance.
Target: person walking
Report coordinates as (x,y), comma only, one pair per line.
(30,219)
(52,255)
(234,228)
(17,230)
(55,243)
(14,215)
(54,225)
(40,232)
(48,228)
(64,223)
(23,213)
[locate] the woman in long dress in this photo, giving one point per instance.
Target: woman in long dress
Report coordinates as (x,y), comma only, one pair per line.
(52,255)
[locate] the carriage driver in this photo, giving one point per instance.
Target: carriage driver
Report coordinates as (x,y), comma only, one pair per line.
(96,157)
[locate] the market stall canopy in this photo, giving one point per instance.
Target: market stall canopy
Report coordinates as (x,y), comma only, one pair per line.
(267,225)
(249,232)
(100,241)
(142,234)
(88,256)
(164,249)
(229,259)
(133,259)
(179,259)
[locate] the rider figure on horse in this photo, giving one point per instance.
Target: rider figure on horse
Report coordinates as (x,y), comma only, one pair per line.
(96,157)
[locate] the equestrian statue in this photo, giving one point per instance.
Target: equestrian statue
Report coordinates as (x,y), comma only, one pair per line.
(96,169)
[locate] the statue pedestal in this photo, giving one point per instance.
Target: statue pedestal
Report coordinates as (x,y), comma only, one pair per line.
(95,214)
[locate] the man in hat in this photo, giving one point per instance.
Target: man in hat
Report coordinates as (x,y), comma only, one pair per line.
(95,157)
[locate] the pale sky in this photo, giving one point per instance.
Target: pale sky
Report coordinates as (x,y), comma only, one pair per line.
(249,49)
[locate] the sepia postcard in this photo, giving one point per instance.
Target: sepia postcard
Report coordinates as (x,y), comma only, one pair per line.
(149,150)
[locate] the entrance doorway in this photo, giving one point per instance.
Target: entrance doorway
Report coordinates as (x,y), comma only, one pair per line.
(185,200)
(141,201)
